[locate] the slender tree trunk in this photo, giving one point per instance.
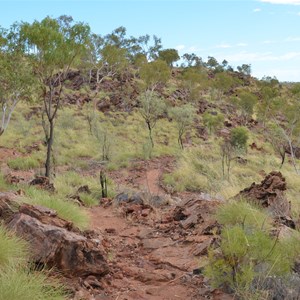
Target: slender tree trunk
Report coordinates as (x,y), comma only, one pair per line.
(180,135)
(293,156)
(103,183)
(282,155)
(49,148)
(150,134)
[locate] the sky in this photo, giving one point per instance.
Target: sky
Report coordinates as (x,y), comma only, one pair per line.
(263,33)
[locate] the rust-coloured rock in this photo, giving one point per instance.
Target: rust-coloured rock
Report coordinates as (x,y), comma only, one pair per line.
(46,216)
(55,243)
(43,182)
(7,205)
(270,194)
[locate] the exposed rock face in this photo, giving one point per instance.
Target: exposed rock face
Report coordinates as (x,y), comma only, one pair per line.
(7,205)
(56,243)
(43,182)
(270,194)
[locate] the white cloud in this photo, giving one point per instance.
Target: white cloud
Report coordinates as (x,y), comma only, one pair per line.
(180,47)
(291,2)
(242,44)
(298,14)
(283,74)
(223,46)
(292,39)
(268,42)
(192,49)
(257,10)
(249,57)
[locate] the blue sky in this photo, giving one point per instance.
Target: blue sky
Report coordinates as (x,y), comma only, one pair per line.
(263,33)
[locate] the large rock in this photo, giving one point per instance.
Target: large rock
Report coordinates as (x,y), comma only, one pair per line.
(8,205)
(270,194)
(55,243)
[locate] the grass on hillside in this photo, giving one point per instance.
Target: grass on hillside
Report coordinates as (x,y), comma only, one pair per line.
(64,208)
(17,283)
(13,250)
(17,280)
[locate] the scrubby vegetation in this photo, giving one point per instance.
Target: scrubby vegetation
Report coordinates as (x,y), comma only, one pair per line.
(249,255)
(18,280)
(87,102)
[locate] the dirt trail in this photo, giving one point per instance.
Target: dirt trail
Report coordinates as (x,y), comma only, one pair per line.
(146,262)
(151,255)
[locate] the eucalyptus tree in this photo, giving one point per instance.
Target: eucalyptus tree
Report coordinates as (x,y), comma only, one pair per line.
(169,56)
(53,45)
(154,73)
(184,118)
(151,107)
(16,76)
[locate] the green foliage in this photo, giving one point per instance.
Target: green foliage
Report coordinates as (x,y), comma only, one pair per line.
(114,60)
(184,117)
(53,45)
(245,69)
(154,73)
(239,137)
(13,250)
(18,283)
(247,101)
(275,135)
(296,89)
(169,56)
(65,209)
(213,121)
(223,82)
(151,108)
(242,213)
(195,172)
(194,80)
(68,183)
(23,163)
(247,250)
(16,76)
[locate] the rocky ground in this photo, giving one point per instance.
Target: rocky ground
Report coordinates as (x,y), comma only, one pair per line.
(143,244)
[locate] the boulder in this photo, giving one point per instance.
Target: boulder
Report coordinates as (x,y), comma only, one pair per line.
(8,205)
(55,243)
(269,194)
(43,182)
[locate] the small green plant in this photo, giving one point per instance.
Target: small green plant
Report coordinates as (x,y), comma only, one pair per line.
(247,250)
(23,163)
(151,108)
(65,209)
(213,121)
(239,137)
(13,250)
(184,117)
(18,283)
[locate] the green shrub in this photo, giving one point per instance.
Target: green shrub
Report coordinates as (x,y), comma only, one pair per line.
(243,213)
(213,121)
(64,208)
(21,284)
(247,251)
(88,199)
(239,137)
(23,163)
(13,250)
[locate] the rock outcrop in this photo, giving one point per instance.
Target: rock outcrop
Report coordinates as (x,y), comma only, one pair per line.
(269,194)
(54,242)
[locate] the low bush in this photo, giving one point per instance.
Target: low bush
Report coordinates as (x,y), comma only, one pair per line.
(248,254)
(23,163)
(13,250)
(64,208)
(18,283)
